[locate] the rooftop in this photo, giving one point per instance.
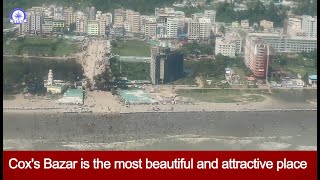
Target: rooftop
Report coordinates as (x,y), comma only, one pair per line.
(73,93)
(313,77)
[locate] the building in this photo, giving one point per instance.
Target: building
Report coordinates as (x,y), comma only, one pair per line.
(197,16)
(293,83)
(35,20)
(309,25)
(47,28)
(162,11)
(312,80)
(58,26)
(230,45)
(293,27)
(266,25)
(172,28)
(258,53)
(133,19)
(151,28)
(165,66)
(93,28)
(205,28)
(69,16)
(91,13)
(103,22)
(81,23)
(54,86)
(245,24)
(193,30)
(235,24)
(287,44)
(72,96)
(210,14)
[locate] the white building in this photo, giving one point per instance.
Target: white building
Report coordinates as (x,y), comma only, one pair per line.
(81,22)
(210,14)
(205,28)
(309,25)
(133,19)
(172,28)
(285,43)
(230,45)
(294,27)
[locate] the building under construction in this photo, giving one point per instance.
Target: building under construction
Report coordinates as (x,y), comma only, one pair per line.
(165,66)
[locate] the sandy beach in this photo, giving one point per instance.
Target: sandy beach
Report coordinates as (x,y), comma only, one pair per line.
(105,102)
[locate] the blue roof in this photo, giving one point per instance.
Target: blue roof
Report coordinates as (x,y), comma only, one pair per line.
(313,77)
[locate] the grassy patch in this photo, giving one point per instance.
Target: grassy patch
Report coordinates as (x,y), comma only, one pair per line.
(189,80)
(7,24)
(132,48)
(8,97)
(135,70)
(36,46)
(220,95)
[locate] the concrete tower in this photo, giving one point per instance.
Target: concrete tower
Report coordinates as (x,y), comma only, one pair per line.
(50,78)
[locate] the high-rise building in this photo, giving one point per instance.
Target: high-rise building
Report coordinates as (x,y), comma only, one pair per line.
(151,28)
(258,54)
(197,16)
(210,14)
(309,25)
(287,44)
(133,19)
(103,21)
(93,28)
(81,23)
(165,66)
(69,16)
(172,28)
(193,30)
(36,20)
(91,13)
(205,28)
(230,45)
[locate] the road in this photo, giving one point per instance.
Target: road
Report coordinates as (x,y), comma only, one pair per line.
(42,57)
(94,58)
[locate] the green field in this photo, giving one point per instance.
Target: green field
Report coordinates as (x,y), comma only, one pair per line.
(223,95)
(36,46)
(7,24)
(135,70)
(132,48)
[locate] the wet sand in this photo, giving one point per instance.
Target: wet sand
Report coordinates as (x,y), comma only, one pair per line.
(161,131)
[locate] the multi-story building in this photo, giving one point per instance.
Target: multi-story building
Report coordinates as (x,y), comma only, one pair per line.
(197,16)
(162,11)
(172,28)
(285,43)
(103,21)
(151,28)
(126,26)
(47,28)
(244,24)
(266,24)
(58,26)
(81,23)
(69,16)
(58,13)
(161,31)
(143,20)
(119,16)
(193,30)
(205,28)
(309,25)
(109,18)
(36,21)
(293,27)
(230,45)
(93,28)
(91,13)
(210,14)
(133,19)
(258,54)
(165,66)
